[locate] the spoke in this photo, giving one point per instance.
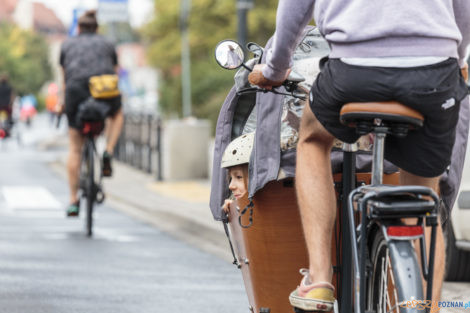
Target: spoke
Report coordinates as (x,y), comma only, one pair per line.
(395,307)
(389,273)
(387,266)
(386,294)
(383,287)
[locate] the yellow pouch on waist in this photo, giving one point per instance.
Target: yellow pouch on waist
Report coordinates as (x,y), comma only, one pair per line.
(104,86)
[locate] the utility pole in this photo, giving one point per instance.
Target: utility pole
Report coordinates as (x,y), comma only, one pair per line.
(242,9)
(185,57)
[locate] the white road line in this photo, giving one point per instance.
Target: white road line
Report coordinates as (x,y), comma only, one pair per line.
(113,235)
(29,197)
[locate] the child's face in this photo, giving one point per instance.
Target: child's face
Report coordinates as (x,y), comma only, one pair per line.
(237,181)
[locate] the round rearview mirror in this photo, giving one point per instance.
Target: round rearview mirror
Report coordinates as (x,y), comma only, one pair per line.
(229,54)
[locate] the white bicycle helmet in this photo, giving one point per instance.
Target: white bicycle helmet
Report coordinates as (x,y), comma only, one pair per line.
(238,151)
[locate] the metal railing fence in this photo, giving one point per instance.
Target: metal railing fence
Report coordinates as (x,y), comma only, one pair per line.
(140,143)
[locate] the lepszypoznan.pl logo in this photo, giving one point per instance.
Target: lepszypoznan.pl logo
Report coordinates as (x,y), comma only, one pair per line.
(434,306)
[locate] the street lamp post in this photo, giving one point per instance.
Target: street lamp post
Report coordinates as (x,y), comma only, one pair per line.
(185,58)
(242,9)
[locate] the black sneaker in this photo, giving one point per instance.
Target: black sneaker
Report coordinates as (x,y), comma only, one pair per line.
(73,209)
(107,170)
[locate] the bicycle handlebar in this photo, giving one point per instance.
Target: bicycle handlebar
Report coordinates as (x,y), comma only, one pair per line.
(290,86)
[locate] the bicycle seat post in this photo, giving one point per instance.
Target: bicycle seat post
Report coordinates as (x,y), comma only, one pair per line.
(378,153)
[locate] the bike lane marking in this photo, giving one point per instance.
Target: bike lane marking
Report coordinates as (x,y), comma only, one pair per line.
(29,198)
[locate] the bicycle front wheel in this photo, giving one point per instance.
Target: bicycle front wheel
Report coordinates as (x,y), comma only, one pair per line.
(395,276)
(90,189)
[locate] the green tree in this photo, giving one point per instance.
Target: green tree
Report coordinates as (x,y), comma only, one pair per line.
(24,57)
(210,22)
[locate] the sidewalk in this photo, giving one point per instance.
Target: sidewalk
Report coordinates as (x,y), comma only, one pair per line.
(178,208)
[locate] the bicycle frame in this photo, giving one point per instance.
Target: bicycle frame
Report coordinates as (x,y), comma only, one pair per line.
(348,184)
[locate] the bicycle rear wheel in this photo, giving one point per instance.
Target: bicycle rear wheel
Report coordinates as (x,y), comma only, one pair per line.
(90,188)
(395,276)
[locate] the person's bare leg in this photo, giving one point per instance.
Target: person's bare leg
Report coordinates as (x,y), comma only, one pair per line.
(73,162)
(114,131)
(315,194)
(407,178)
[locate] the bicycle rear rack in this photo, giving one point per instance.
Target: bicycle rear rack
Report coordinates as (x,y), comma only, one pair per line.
(388,205)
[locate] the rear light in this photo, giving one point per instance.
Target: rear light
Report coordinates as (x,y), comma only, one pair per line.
(92,128)
(3,133)
(86,128)
(404,232)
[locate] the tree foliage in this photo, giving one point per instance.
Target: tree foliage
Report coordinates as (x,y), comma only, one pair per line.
(119,32)
(210,22)
(24,57)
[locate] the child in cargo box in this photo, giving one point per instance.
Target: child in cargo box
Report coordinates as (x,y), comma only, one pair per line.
(235,159)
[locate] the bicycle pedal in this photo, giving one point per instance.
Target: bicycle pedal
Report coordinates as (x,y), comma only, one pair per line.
(100,196)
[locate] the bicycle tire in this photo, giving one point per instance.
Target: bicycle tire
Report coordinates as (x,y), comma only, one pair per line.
(395,276)
(90,186)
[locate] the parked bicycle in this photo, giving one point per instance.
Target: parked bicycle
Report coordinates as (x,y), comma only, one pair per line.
(376,268)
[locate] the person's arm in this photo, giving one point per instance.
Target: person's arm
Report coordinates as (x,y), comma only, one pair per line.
(462,18)
(291,19)
(464,70)
(115,61)
(61,95)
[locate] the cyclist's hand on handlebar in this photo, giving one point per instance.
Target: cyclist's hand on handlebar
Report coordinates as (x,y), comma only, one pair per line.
(256,78)
(464,71)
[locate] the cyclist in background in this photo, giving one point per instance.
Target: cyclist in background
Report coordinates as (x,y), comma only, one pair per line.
(81,57)
(7,95)
(407,51)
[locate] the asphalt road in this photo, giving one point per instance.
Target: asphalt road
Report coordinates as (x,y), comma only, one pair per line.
(47,264)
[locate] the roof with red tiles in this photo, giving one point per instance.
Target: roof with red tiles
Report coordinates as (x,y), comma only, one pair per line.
(7,7)
(46,21)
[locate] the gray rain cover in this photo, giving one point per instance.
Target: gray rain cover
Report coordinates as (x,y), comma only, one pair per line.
(276,120)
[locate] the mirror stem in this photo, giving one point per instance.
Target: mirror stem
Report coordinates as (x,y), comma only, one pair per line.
(244,65)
